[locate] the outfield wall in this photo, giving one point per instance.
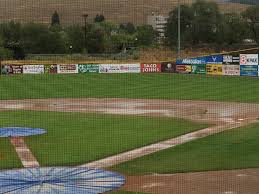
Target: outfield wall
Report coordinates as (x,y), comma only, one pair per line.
(227,65)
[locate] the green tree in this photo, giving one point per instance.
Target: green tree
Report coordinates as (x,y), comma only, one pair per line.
(4,52)
(187,16)
(145,35)
(12,40)
(128,28)
(200,23)
(99,18)
(75,35)
(206,22)
(235,29)
(55,19)
(96,39)
(252,16)
(37,38)
(121,41)
(11,33)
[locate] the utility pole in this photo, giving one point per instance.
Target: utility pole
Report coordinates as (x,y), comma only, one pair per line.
(179,30)
(85,17)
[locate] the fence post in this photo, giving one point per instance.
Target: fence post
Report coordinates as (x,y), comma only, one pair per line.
(0,65)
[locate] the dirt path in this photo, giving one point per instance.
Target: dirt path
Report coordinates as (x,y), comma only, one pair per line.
(23,152)
(200,111)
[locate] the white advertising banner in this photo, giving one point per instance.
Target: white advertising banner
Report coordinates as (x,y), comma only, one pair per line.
(231,70)
(119,68)
(33,69)
(67,68)
(248,59)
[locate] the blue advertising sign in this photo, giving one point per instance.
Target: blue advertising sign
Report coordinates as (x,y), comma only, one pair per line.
(191,61)
(214,59)
(249,70)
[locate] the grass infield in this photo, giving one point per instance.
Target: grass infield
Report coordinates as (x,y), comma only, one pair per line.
(152,86)
(233,149)
(76,138)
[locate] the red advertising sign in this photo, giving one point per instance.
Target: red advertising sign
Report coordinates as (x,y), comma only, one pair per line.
(150,68)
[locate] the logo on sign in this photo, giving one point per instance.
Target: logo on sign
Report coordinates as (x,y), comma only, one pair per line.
(151,68)
(214,58)
(192,61)
(243,59)
(248,59)
(227,59)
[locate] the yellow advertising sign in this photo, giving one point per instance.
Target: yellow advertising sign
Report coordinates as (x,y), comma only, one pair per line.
(214,69)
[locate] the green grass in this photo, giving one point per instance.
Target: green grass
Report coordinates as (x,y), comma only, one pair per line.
(234,149)
(8,157)
(159,86)
(76,138)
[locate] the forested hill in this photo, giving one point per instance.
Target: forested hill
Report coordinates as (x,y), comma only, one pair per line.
(248,2)
(118,11)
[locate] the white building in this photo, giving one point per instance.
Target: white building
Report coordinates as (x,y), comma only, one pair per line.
(158,22)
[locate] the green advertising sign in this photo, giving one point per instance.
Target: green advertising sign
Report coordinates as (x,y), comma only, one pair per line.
(88,68)
(50,68)
(199,69)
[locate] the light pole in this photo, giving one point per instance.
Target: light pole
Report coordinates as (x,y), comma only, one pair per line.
(85,17)
(179,30)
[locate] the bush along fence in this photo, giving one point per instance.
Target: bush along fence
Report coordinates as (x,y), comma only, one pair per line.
(229,65)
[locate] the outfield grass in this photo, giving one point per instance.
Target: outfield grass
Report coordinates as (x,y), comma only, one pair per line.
(159,86)
(234,149)
(76,138)
(8,157)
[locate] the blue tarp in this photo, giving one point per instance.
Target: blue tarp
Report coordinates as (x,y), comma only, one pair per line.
(62,180)
(20,131)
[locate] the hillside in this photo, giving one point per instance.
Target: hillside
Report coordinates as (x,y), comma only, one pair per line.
(248,2)
(71,11)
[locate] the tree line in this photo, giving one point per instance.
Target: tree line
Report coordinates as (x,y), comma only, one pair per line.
(17,40)
(201,23)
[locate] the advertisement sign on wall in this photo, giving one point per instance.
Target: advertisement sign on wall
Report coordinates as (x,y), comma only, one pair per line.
(214,59)
(248,59)
(231,59)
(183,68)
(249,70)
(191,61)
(88,68)
(150,68)
(51,69)
(231,70)
(214,69)
(119,68)
(69,68)
(33,69)
(6,69)
(168,67)
(12,69)
(199,69)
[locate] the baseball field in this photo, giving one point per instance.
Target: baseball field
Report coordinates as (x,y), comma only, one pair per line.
(167,133)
